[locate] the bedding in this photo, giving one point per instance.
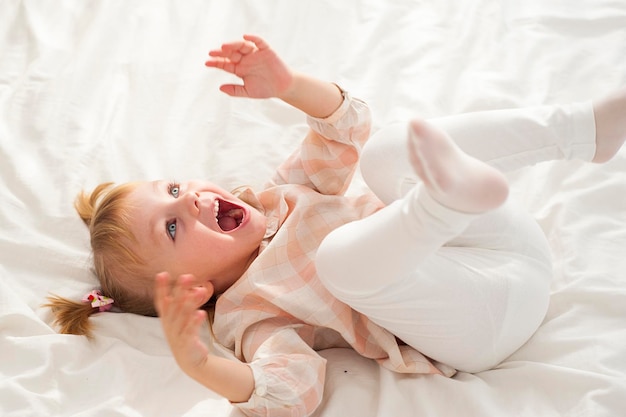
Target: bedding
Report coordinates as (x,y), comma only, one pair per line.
(94,91)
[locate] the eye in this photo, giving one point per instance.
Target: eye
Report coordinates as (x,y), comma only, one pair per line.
(171,229)
(173,189)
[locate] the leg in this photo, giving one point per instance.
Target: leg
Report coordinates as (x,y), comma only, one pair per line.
(467,301)
(464,289)
(505,139)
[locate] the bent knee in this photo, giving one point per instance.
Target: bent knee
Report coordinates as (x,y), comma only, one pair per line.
(326,263)
(338,267)
(384,163)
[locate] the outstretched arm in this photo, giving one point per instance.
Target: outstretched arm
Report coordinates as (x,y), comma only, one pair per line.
(265,75)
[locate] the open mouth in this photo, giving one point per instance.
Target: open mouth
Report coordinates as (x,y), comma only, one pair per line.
(229,216)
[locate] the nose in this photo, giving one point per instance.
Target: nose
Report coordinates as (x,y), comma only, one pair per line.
(189,201)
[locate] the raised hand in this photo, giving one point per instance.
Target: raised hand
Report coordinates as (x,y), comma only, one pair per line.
(181,319)
(177,304)
(263,73)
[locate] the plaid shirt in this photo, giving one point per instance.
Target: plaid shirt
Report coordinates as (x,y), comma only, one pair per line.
(278,314)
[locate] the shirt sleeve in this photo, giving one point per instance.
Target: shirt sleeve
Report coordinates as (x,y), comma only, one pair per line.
(329,154)
(288,375)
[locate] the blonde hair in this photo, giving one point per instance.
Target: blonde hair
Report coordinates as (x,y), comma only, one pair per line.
(123,275)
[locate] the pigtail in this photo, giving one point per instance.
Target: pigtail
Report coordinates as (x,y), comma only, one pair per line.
(121,272)
(72,316)
(86,203)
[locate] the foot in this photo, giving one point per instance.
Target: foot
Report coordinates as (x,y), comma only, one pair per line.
(453,178)
(610,114)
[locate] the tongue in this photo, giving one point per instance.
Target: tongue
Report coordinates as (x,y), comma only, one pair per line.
(227,223)
(231,219)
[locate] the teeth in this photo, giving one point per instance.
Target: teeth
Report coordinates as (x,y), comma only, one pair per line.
(216,208)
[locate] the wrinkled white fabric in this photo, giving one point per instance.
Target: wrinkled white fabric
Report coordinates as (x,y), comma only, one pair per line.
(94,91)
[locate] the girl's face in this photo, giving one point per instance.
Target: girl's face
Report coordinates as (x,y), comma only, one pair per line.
(195,228)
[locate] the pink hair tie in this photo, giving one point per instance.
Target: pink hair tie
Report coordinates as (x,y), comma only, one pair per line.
(96,299)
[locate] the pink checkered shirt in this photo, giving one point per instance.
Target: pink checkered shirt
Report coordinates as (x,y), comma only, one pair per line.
(279,314)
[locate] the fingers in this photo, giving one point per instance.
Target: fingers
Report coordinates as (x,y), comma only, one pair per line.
(192,328)
(249,44)
(161,290)
(231,53)
(181,295)
(234,51)
(259,42)
(234,90)
(221,63)
(177,303)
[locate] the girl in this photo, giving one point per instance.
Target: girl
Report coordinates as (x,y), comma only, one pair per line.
(436,272)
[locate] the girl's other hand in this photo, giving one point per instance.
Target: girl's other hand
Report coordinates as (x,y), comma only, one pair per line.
(263,73)
(177,304)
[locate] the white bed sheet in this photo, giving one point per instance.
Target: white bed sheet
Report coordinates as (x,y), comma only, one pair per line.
(94,91)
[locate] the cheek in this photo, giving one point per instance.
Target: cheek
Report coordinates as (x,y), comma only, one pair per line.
(195,243)
(196,251)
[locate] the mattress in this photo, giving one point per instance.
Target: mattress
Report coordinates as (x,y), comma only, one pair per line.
(94,91)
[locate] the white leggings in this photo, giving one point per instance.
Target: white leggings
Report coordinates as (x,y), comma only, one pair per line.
(465,290)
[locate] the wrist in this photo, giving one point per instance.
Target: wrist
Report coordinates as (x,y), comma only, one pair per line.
(290,88)
(231,379)
(316,98)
